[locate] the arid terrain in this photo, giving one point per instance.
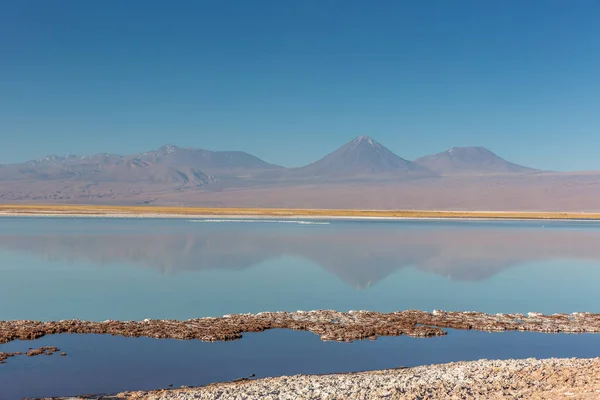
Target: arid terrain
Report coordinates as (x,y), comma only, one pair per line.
(362,174)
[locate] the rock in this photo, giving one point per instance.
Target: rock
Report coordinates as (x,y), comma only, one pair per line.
(47,351)
(328,324)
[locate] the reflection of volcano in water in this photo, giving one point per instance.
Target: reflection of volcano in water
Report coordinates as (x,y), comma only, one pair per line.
(360,257)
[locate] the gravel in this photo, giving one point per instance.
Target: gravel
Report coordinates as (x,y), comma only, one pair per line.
(483,379)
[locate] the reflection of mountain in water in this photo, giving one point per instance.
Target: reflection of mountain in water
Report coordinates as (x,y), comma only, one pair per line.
(360,257)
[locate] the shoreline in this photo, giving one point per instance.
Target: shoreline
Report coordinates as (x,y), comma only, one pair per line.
(291,218)
(531,378)
(151,212)
(272,218)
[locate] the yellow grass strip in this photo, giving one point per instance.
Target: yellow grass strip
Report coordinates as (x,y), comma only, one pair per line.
(33,209)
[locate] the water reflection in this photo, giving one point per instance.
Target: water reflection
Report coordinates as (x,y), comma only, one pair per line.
(361,256)
(123,269)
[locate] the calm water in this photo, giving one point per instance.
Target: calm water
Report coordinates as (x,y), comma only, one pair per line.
(100,269)
(134,269)
(106,364)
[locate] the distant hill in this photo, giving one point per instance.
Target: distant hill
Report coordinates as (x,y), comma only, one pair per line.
(207,161)
(169,165)
(470,160)
(362,157)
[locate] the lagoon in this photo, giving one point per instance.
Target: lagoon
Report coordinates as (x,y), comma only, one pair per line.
(108,364)
(131,269)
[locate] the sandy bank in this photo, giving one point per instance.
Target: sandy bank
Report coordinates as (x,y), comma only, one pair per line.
(483,379)
(8,210)
(328,324)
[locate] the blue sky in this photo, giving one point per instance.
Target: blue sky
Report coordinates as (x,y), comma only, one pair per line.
(290,81)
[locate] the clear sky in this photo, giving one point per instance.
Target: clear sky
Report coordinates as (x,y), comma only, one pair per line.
(291,80)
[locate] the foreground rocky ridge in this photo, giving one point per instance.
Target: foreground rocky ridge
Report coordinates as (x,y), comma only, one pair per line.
(328,324)
(483,379)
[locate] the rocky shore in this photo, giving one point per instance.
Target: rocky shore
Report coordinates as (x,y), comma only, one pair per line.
(483,379)
(329,325)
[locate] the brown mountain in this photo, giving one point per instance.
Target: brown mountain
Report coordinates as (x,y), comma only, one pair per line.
(470,160)
(362,157)
(211,162)
(169,165)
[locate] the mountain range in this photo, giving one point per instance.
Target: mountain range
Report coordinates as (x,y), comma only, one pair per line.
(361,158)
(361,174)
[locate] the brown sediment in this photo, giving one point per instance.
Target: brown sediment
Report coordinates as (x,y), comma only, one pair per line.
(47,351)
(329,325)
(6,356)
